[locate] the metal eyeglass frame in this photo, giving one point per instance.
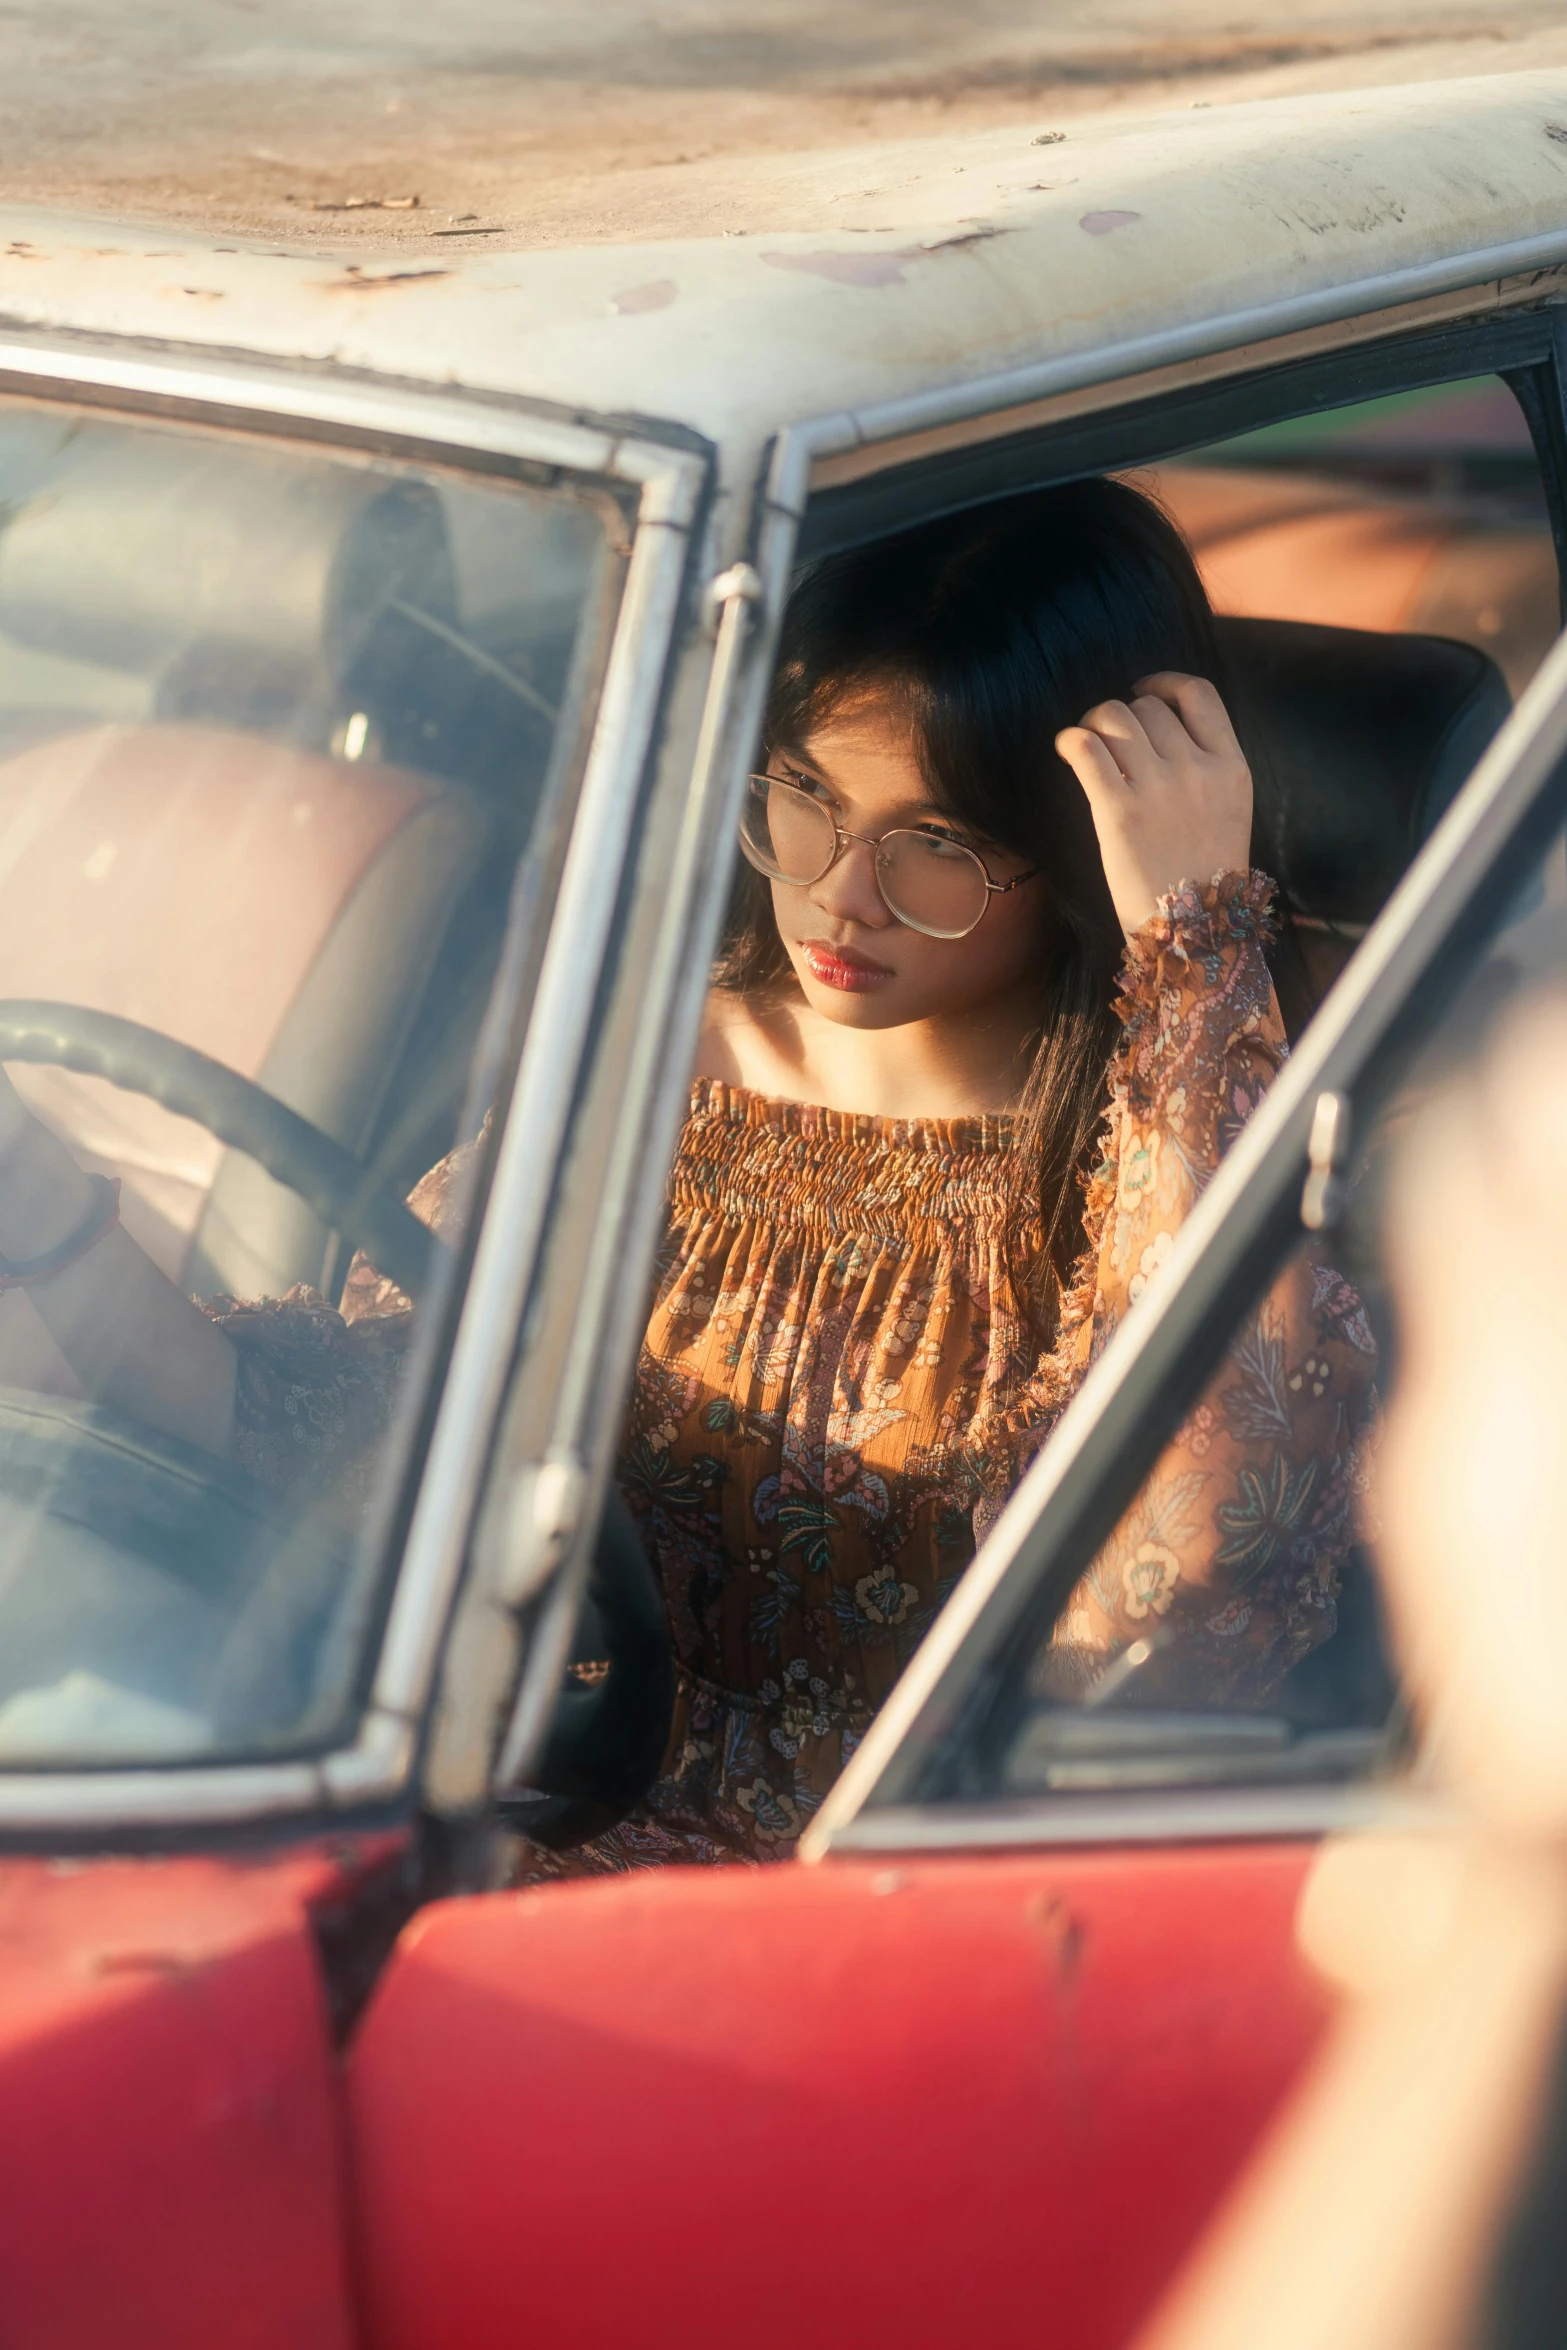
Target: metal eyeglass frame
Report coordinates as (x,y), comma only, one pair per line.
(841,840)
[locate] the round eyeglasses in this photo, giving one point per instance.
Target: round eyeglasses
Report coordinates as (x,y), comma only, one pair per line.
(928,881)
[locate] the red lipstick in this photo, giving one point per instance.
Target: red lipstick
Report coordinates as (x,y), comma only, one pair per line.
(838,967)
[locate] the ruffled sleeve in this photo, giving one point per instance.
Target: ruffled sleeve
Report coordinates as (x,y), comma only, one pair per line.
(1201,1042)
(1228,1561)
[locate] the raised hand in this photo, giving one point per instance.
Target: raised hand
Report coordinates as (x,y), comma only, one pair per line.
(1168,786)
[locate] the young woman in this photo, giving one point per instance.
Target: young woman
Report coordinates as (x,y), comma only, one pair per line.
(993,1001)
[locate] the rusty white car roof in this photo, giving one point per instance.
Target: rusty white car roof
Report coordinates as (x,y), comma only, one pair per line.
(986,258)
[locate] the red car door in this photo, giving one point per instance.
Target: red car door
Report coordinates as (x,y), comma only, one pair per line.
(980,2097)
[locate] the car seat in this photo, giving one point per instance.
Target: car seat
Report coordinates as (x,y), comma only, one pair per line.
(250,793)
(1359,743)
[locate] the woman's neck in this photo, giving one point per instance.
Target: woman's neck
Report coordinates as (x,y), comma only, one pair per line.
(960,1065)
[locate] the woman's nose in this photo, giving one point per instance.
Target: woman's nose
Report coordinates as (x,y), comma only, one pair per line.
(849,890)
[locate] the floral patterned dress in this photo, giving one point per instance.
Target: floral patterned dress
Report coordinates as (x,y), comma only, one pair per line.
(847,1371)
(848,1368)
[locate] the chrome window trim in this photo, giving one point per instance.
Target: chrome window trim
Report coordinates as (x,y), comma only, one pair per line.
(1195,1816)
(375,1765)
(1264,1163)
(827,450)
(674,989)
(240,392)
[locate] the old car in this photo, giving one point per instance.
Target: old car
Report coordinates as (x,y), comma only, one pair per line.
(383,643)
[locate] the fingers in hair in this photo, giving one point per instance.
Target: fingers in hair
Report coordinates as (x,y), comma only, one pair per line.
(1199,705)
(1117,725)
(1091,761)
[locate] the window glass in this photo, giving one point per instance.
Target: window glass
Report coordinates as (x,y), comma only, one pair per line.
(1386,583)
(279,731)
(1229,1632)
(1424,511)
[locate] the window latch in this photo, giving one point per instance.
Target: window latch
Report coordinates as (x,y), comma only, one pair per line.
(1327,1157)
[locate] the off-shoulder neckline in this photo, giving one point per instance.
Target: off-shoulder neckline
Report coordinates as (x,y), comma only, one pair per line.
(714,1099)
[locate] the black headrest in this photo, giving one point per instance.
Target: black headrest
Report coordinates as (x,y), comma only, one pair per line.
(1358,743)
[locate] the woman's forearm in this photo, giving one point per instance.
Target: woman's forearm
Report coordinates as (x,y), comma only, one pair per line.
(1369,2222)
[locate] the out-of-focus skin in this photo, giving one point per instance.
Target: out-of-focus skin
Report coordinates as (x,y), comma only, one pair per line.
(946,1027)
(1370,2220)
(1476,1526)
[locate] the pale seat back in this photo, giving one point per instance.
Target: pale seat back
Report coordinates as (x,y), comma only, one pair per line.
(277,909)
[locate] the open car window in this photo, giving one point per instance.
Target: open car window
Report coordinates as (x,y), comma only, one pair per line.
(1177,1607)
(289,745)
(1105,1664)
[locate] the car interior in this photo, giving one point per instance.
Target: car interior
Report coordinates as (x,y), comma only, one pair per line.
(279,732)
(273,736)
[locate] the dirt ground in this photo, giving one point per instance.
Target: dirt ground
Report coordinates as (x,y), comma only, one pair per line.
(387,123)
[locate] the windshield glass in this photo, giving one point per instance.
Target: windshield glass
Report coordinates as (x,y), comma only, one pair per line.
(288,742)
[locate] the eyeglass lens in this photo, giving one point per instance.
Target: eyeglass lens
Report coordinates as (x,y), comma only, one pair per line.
(933,885)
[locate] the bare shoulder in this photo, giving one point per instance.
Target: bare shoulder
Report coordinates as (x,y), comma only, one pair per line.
(728,1030)
(738,1044)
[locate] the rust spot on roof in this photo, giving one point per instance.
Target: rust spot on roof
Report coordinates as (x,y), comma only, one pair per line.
(1099,224)
(657,294)
(974,233)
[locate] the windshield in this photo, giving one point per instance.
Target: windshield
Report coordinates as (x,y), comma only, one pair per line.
(288,742)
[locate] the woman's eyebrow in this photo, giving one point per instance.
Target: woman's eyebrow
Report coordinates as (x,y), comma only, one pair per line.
(792,756)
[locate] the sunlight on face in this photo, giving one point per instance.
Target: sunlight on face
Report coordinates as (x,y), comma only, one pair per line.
(856,963)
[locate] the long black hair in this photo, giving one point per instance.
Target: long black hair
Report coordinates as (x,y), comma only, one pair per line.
(995,628)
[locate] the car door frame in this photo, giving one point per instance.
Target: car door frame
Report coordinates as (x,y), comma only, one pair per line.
(843,482)
(633,757)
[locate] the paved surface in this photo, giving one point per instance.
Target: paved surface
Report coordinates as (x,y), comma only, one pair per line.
(548,120)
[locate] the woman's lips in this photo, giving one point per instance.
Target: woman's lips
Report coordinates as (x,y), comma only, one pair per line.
(837,967)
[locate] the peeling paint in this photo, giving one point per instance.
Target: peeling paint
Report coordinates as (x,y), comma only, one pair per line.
(845,269)
(656,295)
(881,269)
(1063,1934)
(355,280)
(963,236)
(1099,224)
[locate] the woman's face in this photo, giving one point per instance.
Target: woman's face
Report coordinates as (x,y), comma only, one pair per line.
(856,963)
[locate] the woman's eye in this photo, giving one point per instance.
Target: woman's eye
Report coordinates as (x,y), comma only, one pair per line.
(945,844)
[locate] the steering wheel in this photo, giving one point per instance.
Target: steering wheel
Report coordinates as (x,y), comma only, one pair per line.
(608,1738)
(242,1114)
